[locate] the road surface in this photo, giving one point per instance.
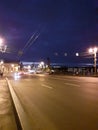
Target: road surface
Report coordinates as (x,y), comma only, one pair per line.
(59,102)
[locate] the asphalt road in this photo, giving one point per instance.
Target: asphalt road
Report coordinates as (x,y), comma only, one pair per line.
(59,102)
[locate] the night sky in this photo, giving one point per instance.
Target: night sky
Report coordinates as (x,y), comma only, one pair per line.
(34,30)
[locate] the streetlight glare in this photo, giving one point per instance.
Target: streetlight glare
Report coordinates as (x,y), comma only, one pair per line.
(2,46)
(1,41)
(95,49)
(42,63)
(12,65)
(1,62)
(90,50)
(77,54)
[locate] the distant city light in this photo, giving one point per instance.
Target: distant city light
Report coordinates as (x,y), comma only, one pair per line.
(94,51)
(29,67)
(56,54)
(12,65)
(65,54)
(1,62)
(42,63)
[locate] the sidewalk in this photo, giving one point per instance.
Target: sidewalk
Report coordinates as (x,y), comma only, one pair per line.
(7,119)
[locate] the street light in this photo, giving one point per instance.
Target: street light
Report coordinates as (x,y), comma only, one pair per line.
(1,65)
(1,41)
(77,54)
(1,62)
(94,51)
(2,47)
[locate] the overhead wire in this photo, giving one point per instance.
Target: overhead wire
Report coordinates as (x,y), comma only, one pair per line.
(31,40)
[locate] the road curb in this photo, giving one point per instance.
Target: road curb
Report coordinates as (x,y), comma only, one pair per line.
(22,119)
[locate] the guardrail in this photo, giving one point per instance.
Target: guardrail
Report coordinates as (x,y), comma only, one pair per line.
(21,117)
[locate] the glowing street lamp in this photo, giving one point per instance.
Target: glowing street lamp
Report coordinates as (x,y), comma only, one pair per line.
(94,51)
(2,47)
(1,62)
(1,41)
(1,65)
(77,54)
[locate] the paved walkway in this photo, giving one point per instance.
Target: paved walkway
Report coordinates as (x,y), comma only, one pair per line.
(7,120)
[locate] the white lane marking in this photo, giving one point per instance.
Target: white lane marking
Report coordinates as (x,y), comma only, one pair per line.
(66,79)
(46,86)
(75,85)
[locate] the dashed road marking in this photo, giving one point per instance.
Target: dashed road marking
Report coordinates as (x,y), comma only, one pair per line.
(46,86)
(70,84)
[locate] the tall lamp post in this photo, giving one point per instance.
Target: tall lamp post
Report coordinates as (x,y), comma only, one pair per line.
(94,51)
